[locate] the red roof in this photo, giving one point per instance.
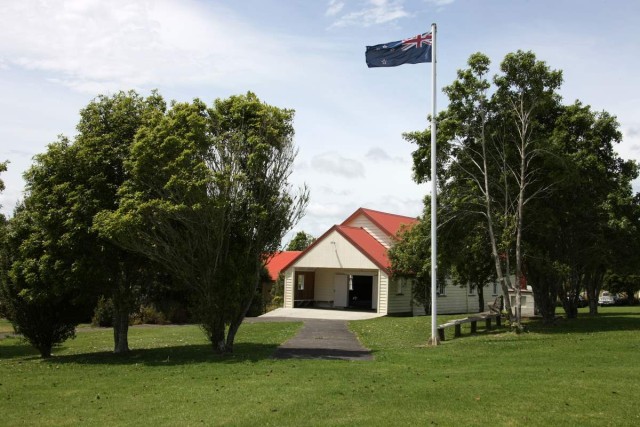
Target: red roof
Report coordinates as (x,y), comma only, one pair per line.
(388,223)
(278,261)
(361,239)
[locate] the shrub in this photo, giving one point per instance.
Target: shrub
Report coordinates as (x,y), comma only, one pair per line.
(276,299)
(43,322)
(103,313)
(149,315)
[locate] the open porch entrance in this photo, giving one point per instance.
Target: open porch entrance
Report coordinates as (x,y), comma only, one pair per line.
(339,289)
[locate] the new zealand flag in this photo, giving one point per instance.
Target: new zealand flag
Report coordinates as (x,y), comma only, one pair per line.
(413,50)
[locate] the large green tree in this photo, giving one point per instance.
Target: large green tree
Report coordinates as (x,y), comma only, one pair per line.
(488,145)
(66,187)
(208,197)
(543,178)
(106,132)
(585,224)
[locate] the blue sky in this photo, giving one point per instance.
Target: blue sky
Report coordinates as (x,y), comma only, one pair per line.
(55,56)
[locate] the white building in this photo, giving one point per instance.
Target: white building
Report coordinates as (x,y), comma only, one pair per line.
(348,267)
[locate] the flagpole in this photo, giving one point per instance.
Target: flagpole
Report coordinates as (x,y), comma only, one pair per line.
(434,192)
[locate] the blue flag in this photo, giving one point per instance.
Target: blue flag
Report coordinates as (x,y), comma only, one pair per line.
(413,50)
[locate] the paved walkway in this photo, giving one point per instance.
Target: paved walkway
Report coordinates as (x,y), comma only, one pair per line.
(324,335)
(323,339)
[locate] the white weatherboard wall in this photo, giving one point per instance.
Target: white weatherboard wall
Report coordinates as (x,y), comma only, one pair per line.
(288,288)
(457,300)
(362,221)
(399,297)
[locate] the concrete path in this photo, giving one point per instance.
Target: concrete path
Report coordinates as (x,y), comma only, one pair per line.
(323,339)
(319,313)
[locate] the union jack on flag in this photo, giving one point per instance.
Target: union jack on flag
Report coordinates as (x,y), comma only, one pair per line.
(414,50)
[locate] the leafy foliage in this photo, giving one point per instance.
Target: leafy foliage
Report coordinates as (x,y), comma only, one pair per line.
(537,183)
(207,197)
(300,241)
(43,298)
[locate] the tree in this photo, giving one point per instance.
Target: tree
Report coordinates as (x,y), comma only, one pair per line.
(300,241)
(518,151)
(585,224)
(489,147)
(106,132)
(67,186)
(208,198)
(526,95)
(470,261)
(43,299)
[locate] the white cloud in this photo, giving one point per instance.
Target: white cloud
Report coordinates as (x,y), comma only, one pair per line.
(377,154)
(439,2)
(376,12)
(334,7)
(94,46)
(334,163)
(335,191)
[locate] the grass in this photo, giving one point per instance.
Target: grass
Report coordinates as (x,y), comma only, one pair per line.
(5,327)
(579,372)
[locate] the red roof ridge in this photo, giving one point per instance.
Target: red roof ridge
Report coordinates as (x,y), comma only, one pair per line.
(385,228)
(412,218)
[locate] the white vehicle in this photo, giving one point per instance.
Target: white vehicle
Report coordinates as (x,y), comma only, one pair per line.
(606,299)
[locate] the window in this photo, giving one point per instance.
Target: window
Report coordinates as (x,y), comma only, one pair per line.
(300,282)
(442,288)
(471,290)
(400,286)
(495,289)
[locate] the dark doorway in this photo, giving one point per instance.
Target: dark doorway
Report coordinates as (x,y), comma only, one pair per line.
(361,296)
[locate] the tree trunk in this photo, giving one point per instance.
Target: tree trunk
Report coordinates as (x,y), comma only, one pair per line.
(235,324)
(492,236)
(519,225)
(120,329)
(480,298)
(217,338)
(592,284)
(45,350)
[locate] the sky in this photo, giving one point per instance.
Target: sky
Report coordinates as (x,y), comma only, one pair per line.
(307,55)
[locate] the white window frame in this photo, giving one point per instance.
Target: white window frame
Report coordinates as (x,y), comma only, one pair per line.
(442,289)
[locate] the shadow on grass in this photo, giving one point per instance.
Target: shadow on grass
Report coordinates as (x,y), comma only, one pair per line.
(17,348)
(171,356)
(604,322)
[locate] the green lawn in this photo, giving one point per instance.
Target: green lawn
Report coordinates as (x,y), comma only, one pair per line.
(5,327)
(581,372)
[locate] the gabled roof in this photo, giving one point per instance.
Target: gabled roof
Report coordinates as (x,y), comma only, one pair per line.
(366,244)
(276,263)
(387,222)
(360,238)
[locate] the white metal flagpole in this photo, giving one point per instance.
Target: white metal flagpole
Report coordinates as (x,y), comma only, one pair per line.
(434,192)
